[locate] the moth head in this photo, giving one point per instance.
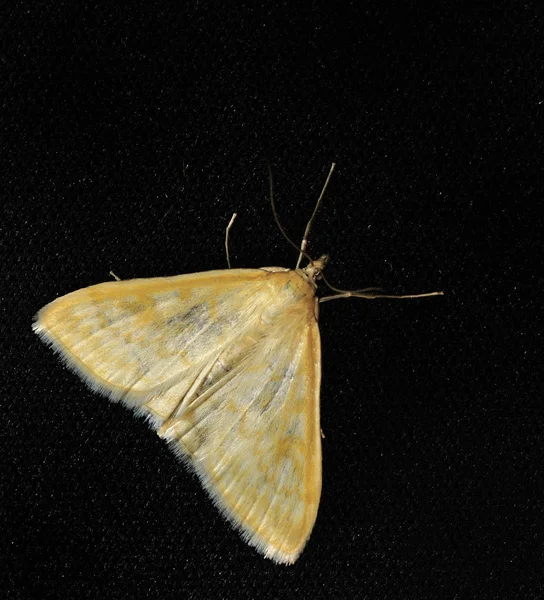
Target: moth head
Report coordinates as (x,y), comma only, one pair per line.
(314,269)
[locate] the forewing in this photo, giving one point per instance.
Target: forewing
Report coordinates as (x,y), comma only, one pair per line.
(146,341)
(254,437)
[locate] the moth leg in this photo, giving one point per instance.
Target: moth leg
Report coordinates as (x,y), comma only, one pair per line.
(316,309)
(227,238)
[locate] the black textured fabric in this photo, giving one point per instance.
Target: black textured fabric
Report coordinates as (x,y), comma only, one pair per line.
(130,134)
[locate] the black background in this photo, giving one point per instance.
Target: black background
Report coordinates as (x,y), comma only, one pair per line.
(129,136)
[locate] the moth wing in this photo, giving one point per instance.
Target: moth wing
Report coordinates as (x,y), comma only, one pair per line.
(254,438)
(232,384)
(147,341)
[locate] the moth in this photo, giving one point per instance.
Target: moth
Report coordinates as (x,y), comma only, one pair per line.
(226,367)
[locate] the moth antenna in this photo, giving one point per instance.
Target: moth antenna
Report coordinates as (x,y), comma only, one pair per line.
(227,238)
(276,218)
(368,293)
(304,242)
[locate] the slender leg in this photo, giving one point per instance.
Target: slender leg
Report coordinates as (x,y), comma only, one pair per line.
(227,238)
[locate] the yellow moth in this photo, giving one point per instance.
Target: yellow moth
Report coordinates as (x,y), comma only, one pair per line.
(226,366)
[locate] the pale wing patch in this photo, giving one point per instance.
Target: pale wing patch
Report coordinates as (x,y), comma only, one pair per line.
(255,440)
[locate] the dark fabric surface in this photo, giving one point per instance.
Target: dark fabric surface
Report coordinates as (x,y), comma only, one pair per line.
(131,134)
